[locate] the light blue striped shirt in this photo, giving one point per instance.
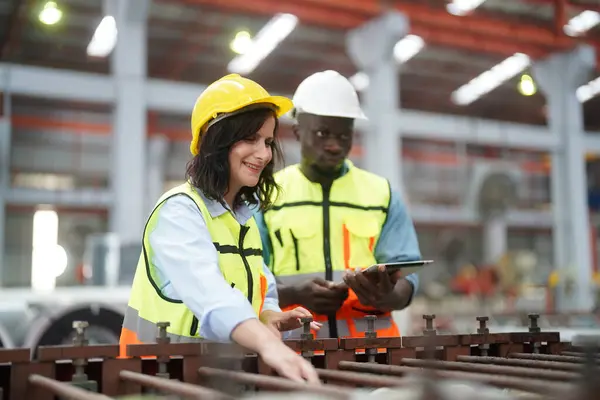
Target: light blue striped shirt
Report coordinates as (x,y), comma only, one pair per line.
(186,264)
(397,242)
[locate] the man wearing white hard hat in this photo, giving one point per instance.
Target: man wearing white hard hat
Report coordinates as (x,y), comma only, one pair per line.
(332,219)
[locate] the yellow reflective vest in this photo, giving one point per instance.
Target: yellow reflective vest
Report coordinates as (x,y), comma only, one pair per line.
(240,261)
(320,231)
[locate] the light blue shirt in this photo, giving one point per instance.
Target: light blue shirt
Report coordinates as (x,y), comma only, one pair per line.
(397,242)
(187,267)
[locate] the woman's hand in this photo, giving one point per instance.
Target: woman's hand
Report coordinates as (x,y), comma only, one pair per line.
(286,321)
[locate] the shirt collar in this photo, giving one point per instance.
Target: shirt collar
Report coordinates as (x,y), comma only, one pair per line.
(242,213)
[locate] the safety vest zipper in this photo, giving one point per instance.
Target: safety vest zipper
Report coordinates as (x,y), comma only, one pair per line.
(243,231)
(331,319)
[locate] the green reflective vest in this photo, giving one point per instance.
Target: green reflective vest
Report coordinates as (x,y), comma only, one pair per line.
(240,261)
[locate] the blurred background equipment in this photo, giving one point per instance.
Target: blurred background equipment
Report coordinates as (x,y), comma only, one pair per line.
(492,138)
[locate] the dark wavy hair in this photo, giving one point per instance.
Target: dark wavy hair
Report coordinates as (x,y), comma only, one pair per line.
(209,169)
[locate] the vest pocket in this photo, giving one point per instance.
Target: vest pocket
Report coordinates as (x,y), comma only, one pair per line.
(194,327)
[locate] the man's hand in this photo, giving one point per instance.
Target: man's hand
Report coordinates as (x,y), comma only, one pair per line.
(321,296)
(374,290)
(286,321)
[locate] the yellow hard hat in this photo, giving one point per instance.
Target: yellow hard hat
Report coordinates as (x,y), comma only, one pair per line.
(230,93)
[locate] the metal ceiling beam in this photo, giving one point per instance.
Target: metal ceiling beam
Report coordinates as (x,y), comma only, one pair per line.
(178,98)
(347,14)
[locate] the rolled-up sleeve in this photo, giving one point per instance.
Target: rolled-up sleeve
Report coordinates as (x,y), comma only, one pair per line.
(398,240)
(186,263)
(271,298)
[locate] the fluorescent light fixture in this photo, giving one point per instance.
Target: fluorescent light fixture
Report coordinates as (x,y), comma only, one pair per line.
(104,39)
(589,90)
(463,7)
(491,79)
(405,49)
(265,41)
(582,23)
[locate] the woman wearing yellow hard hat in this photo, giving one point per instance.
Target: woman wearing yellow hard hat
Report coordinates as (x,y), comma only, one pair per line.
(201,267)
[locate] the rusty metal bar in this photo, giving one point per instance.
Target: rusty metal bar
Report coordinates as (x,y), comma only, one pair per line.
(274,383)
(491,369)
(576,354)
(64,390)
(517,362)
(549,357)
(505,382)
(185,390)
(361,378)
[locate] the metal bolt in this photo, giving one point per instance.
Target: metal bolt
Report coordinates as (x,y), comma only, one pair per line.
(370,332)
(162,332)
(80,327)
(306,333)
(483,329)
(533,323)
(429,330)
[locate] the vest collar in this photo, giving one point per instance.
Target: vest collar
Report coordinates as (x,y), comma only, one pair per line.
(346,166)
(242,213)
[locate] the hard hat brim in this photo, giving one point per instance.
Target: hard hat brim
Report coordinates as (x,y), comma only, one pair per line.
(357,115)
(282,105)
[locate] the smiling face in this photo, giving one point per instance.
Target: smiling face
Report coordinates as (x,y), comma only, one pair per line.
(248,157)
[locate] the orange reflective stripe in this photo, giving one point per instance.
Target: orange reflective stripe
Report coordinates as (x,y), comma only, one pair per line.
(346,242)
(127,337)
(371,243)
(263,291)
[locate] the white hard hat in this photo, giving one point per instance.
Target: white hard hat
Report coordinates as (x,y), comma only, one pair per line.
(328,93)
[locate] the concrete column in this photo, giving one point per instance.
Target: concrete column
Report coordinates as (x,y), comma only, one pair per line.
(156,164)
(5,144)
(128,175)
(559,76)
(371,48)
(494,238)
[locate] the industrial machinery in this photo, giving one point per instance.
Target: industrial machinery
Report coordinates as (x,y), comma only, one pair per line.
(484,365)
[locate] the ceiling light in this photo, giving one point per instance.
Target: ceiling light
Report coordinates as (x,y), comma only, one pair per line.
(589,90)
(50,14)
(241,43)
(491,79)
(526,86)
(408,47)
(582,23)
(104,39)
(265,41)
(463,7)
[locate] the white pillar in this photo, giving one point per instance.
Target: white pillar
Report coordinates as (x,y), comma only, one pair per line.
(371,48)
(128,175)
(5,144)
(559,76)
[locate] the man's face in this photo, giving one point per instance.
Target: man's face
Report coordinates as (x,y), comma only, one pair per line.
(325,141)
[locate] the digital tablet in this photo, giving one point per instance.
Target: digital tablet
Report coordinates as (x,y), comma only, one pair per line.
(407,267)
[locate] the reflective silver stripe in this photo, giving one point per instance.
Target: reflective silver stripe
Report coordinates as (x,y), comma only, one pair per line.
(147,331)
(294,279)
